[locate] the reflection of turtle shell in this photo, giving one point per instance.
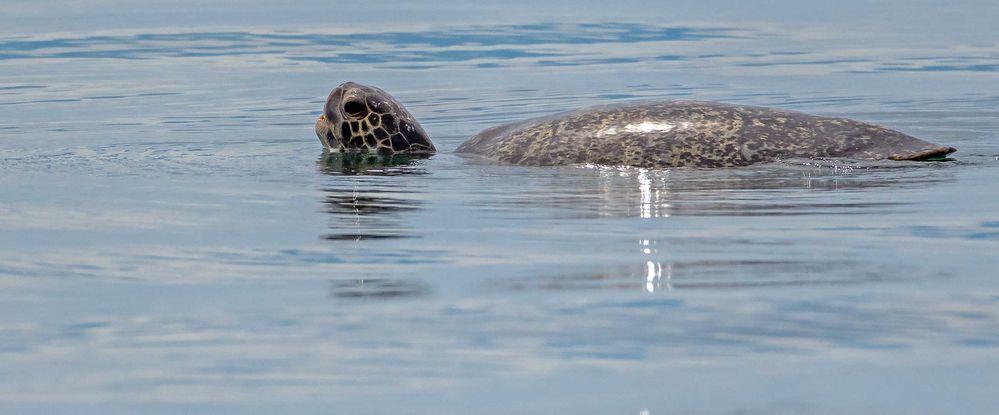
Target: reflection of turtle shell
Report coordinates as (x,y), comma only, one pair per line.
(690,133)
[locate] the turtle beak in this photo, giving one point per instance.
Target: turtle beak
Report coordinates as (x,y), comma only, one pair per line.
(323,131)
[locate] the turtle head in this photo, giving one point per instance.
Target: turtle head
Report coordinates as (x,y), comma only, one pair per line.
(361,117)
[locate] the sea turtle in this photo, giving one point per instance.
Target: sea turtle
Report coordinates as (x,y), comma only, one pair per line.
(640,134)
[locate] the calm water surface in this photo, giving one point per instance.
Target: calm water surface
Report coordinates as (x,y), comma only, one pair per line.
(173,240)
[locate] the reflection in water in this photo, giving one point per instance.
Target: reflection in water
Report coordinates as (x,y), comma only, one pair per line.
(365,200)
(780,189)
(659,197)
(653,205)
(378,288)
(657,276)
(652,202)
(370,197)
(371,164)
(654,276)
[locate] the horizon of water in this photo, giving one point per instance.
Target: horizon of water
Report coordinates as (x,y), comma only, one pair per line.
(173,239)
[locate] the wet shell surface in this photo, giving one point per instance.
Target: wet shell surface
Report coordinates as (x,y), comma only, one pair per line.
(691,134)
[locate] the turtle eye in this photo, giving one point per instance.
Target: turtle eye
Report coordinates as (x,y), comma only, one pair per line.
(355,109)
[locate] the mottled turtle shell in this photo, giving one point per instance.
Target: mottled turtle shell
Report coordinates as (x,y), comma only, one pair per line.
(692,134)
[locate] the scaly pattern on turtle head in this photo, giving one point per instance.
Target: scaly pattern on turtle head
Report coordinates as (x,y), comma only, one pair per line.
(364,118)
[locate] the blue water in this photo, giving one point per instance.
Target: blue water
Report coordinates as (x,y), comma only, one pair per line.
(173,240)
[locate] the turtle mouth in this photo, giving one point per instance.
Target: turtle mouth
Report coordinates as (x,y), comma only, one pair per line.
(323,132)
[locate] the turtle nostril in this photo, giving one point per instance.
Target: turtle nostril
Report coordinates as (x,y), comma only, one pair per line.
(355,109)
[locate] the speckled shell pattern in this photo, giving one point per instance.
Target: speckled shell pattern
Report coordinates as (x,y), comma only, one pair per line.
(365,118)
(689,134)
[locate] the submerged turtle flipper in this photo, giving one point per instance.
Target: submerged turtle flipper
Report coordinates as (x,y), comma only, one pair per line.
(936,153)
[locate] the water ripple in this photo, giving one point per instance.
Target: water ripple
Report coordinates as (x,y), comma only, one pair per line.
(478,41)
